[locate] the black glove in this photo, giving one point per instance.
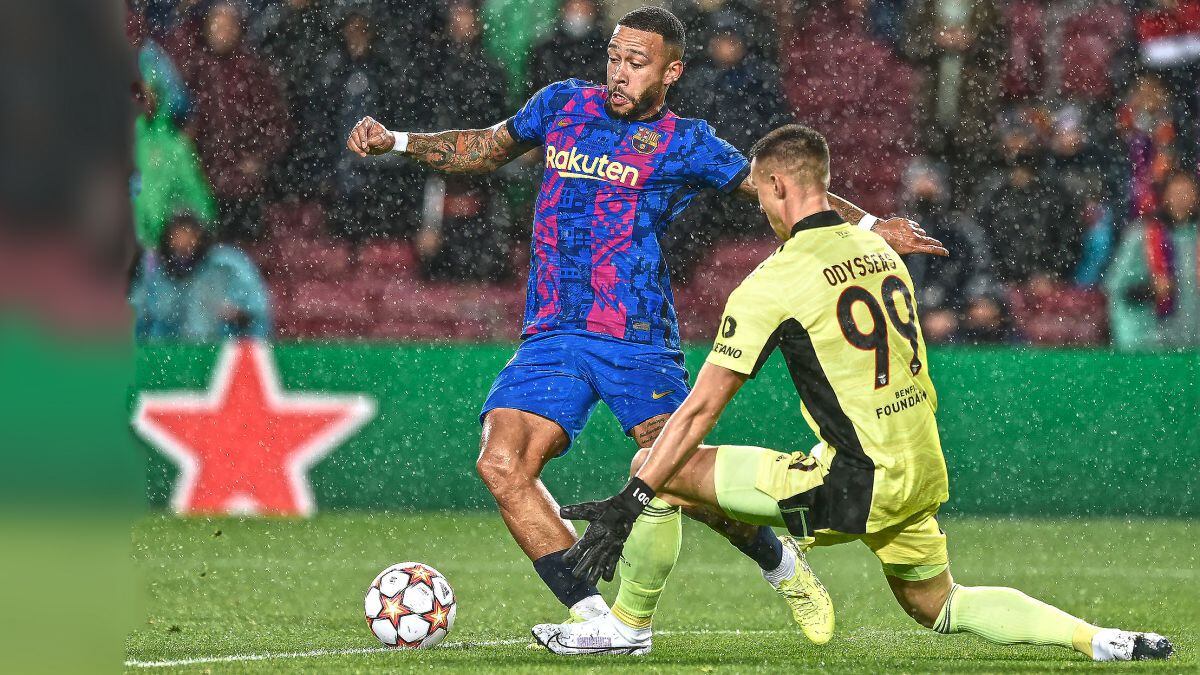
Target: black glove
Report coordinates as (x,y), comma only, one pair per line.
(610,520)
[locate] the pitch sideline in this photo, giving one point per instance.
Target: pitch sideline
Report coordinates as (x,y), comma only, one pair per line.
(463,644)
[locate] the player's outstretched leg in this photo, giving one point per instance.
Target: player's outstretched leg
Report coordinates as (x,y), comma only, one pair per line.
(1008,616)
(647,560)
(515,447)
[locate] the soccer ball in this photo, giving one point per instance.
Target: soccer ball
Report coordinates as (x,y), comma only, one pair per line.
(410,605)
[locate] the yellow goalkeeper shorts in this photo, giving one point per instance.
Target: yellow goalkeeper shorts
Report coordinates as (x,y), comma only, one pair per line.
(750,480)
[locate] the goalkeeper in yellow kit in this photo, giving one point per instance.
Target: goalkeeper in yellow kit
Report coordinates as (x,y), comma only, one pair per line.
(838,303)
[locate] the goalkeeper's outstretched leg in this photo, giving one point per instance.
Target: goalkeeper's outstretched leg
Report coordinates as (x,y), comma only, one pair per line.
(726,481)
(1008,616)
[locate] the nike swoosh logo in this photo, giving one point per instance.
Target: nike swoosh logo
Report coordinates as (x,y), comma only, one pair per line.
(658,395)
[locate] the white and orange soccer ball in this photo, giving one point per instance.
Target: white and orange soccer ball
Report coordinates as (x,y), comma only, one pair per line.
(410,605)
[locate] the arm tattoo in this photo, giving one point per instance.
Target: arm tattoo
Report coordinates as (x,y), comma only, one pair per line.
(647,432)
(466,150)
(849,212)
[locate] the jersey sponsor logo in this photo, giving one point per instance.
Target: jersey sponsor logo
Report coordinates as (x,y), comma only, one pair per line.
(864,265)
(905,399)
(657,395)
(731,352)
(646,140)
(573,164)
(729,327)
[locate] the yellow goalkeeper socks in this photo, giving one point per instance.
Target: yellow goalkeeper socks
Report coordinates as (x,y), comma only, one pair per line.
(1008,616)
(646,562)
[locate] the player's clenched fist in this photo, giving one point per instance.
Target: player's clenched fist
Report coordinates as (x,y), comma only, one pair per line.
(369,137)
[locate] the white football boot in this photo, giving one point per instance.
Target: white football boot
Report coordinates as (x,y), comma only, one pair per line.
(590,608)
(1111,644)
(601,635)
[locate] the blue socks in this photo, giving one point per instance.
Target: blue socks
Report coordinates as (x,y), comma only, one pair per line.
(765,549)
(556,574)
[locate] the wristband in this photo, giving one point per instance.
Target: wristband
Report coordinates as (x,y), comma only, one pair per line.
(401,144)
(634,497)
(867,222)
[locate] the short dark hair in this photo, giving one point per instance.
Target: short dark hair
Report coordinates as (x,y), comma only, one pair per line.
(799,149)
(657,20)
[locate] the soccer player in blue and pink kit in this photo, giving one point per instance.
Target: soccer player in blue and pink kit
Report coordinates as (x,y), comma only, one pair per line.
(600,320)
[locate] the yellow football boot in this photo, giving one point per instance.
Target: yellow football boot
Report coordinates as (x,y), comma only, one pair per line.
(811,605)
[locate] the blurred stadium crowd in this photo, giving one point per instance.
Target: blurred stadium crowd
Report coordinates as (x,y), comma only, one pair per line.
(1051,144)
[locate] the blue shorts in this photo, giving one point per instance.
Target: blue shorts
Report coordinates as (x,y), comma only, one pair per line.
(562,375)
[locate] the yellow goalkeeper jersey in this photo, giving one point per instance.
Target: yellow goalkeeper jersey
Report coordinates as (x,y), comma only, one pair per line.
(839,305)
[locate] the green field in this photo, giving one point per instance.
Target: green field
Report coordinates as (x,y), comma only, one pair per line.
(255,595)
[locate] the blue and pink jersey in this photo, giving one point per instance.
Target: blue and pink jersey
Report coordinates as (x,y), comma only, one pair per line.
(610,188)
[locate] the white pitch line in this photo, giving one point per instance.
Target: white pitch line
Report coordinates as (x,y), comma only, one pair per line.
(241,658)
(237,658)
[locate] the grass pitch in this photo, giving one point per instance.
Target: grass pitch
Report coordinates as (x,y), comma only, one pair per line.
(269,596)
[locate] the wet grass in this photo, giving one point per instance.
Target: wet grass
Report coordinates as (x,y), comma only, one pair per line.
(220,591)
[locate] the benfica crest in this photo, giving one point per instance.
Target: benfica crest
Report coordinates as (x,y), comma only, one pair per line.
(646,140)
(245,445)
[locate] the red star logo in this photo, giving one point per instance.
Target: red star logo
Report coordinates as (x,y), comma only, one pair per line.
(439,616)
(393,608)
(245,446)
(420,573)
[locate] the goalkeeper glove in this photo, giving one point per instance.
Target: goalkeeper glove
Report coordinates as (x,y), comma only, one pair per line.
(610,521)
